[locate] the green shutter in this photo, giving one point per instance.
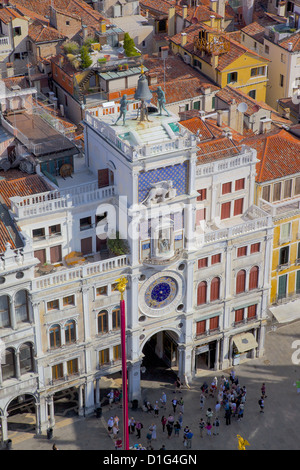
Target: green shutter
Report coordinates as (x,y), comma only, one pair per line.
(282,283)
(298,282)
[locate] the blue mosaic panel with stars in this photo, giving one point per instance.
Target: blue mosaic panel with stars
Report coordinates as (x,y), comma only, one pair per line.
(177,173)
(161,292)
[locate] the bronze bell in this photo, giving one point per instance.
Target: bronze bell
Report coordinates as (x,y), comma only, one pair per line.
(142,92)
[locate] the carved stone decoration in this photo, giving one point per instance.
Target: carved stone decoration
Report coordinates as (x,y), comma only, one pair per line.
(159,192)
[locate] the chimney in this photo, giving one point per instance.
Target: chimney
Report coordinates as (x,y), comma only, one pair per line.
(183,39)
(102,27)
(290,46)
(152,78)
(286,113)
(232,121)
(213,5)
(219,117)
(212,19)
(184,11)
(214,60)
(164,52)
(84,32)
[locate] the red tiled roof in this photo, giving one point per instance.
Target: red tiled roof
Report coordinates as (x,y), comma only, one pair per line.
(278,152)
(30,184)
(5,237)
(39,32)
(7,14)
(255,30)
(216,149)
(294,39)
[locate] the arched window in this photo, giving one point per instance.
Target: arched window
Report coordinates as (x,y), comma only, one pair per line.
(253,278)
(21,306)
(70,332)
(55,338)
(240,281)
(102,320)
(202,293)
(4,311)
(116,319)
(215,289)
(9,365)
(26,358)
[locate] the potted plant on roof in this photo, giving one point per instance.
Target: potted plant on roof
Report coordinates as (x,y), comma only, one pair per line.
(125,66)
(116,245)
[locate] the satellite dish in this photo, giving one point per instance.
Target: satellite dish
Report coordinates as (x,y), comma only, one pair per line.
(242,107)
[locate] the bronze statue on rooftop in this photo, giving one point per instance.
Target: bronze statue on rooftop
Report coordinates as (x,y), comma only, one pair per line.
(161,100)
(123,109)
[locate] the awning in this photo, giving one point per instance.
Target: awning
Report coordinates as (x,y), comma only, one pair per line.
(245,342)
(287,312)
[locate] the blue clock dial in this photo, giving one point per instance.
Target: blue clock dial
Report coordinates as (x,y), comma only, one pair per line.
(161,292)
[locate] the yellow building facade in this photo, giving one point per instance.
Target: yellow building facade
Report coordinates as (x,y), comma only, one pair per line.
(222,59)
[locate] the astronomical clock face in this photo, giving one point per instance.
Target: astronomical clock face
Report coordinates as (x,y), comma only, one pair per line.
(160,294)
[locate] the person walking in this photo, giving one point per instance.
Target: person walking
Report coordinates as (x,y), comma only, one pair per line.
(176,428)
(156,409)
(180,419)
(263,391)
(216,425)
(209,415)
(163,422)
(202,401)
(139,426)
(228,416)
(201,426)
(208,428)
(169,427)
(174,404)
(217,408)
(110,424)
(131,425)
(241,411)
(163,400)
(149,439)
(181,404)
(261,404)
(110,397)
(189,437)
(178,385)
(152,429)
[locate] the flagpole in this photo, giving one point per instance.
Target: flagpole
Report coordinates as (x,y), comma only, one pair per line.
(121,288)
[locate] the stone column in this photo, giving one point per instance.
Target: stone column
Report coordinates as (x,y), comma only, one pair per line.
(261,332)
(38,429)
(42,412)
(37,327)
(18,370)
(89,405)
(12,313)
(97,392)
(4,426)
(51,411)
(216,367)
(80,401)
(85,312)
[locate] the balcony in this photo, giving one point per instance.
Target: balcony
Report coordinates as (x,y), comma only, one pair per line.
(55,201)
(5,45)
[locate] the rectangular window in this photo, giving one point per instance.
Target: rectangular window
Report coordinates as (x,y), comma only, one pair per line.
(214,323)
(276,191)
(38,233)
(284,255)
(54,230)
(252,94)
(232,77)
(69,301)
(196,105)
(57,372)
(258,71)
(287,189)
(116,319)
(255,248)
(17,31)
(238,206)
(267,49)
(53,305)
(87,245)
(281,80)
(242,251)
(40,255)
(297,185)
(200,327)
(282,58)
(225,210)
(240,184)
(72,366)
(101,290)
(202,263)
(285,232)
(239,315)
(55,254)
(104,357)
(85,223)
(266,193)
(251,313)
(226,188)
(216,258)
(117,352)
(282,284)
(298,282)
(202,195)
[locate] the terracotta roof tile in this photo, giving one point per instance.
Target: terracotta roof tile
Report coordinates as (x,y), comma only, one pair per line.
(278,152)
(30,184)
(40,32)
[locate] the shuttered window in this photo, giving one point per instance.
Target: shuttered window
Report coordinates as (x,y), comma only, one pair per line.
(55,254)
(238,206)
(240,184)
(253,278)
(215,289)
(202,263)
(252,311)
(200,327)
(239,315)
(225,210)
(240,281)
(214,323)
(201,293)
(242,251)
(216,258)
(226,188)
